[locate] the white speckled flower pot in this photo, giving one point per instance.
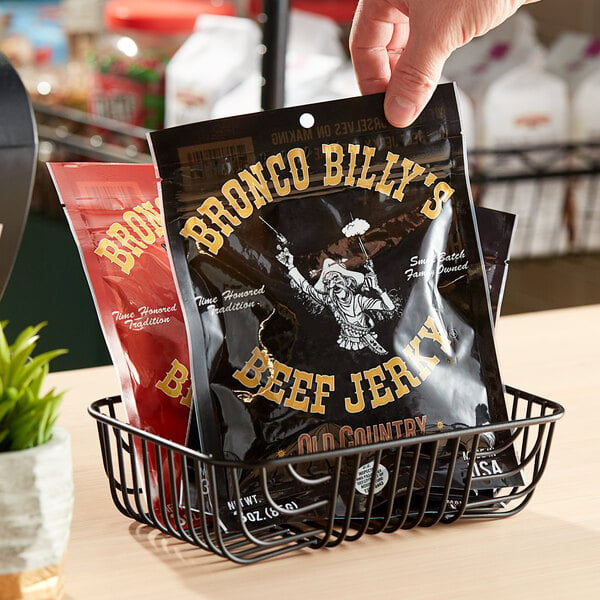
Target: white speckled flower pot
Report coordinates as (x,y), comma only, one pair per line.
(36,506)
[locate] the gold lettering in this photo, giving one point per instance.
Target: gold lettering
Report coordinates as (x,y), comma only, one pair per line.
(372,376)
(397,369)
(323,381)
(257,184)
(218,214)
(410,170)
(174,380)
(250,374)
(442,192)
(187,399)
(152,215)
(297,395)
(424,363)
(239,201)
(364,181)
(298,168)
(357,404)
(333,166)
(108,249)
(123,235)
(200,232)
(300,378)
(270,391)
(276,161)
(430,331)
(353,150)
(140,227)
(383,186)
(430,179)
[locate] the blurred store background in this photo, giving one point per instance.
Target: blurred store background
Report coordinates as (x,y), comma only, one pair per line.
(102,73)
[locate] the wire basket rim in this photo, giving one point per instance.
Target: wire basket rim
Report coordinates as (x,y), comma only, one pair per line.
(94,409)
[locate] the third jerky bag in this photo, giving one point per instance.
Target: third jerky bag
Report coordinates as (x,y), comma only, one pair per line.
(332,282)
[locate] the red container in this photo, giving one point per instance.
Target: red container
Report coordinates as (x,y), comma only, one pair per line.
(340,11)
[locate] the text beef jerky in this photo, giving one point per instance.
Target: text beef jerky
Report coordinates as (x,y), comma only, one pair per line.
(331,276)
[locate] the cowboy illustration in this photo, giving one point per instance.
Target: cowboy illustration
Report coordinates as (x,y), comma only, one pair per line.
(353,298)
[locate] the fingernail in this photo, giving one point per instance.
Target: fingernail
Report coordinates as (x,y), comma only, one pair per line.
(399,111)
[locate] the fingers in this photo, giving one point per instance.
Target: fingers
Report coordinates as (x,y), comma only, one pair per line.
(411,87)
(437,28)
(416,72)
(406,61)
(389,55)
(378,32)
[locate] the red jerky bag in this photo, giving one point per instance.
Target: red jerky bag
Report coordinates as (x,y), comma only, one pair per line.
(115,220)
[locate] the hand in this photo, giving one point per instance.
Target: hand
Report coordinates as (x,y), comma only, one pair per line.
(285,257)
(400,46)
(371,281)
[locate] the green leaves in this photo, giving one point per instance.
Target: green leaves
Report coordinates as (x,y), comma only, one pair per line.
(26,413)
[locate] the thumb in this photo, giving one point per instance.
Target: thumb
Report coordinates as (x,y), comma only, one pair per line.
(415,75)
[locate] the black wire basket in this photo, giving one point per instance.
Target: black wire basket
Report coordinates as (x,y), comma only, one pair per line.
(176,490)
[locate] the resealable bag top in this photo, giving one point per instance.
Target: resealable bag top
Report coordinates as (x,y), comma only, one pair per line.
(332,280)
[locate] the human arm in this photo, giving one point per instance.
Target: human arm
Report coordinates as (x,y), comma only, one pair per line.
(286,258)
(383,301)
(400,46)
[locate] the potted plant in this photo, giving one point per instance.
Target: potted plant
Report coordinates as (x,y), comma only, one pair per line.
(36,481)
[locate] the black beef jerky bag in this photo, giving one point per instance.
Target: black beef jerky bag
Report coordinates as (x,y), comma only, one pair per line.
(331,277)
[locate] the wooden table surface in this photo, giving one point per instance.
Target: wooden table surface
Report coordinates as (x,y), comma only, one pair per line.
(550,550)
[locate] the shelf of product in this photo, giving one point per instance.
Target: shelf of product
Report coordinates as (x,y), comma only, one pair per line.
(129,61)
(528,111)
